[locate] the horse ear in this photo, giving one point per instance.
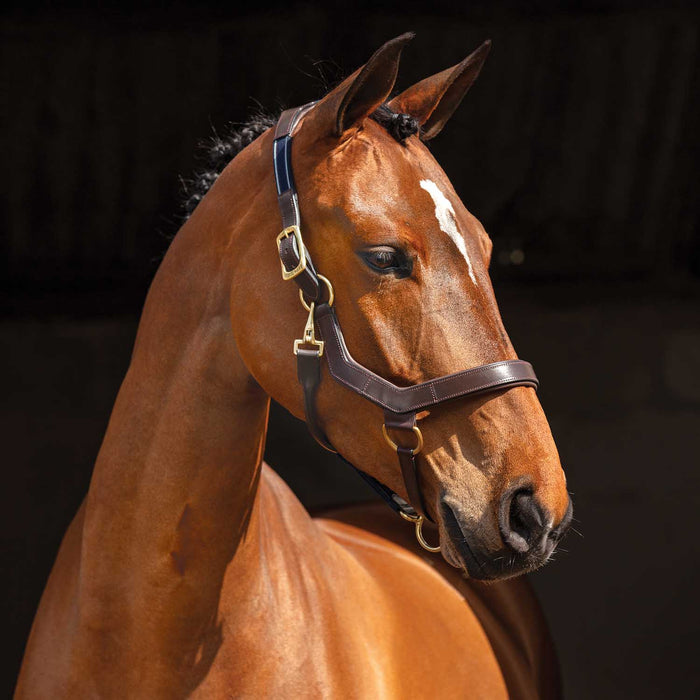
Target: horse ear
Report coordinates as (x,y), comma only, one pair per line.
(433,101)
(362,92)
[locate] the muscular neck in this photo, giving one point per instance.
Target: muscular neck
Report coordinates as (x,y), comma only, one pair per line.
(177,475)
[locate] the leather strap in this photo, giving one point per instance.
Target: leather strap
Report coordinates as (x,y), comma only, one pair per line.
(393,500)
(289,252)
(309,375)
(344,369)
(405,423)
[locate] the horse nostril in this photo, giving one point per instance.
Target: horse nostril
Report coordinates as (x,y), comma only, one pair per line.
(523,524)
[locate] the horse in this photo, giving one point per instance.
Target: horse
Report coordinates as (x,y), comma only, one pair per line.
(191,569)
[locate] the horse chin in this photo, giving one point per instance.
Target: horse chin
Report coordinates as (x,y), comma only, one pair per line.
(451,557)
(461,556)
(487,567)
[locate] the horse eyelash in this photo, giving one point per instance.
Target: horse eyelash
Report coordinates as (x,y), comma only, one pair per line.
(402,269)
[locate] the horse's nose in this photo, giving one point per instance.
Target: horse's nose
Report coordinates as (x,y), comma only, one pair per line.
(525,525)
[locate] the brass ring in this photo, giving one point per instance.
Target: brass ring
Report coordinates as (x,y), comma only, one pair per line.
(418,520)
(421,539)
(392,444)
(329,286)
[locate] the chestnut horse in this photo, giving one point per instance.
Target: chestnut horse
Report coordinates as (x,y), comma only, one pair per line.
(191,569)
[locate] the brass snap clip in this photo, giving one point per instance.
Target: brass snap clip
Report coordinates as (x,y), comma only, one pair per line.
(309,337)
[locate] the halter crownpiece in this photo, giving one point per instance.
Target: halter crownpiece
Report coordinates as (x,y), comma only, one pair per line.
(400,404)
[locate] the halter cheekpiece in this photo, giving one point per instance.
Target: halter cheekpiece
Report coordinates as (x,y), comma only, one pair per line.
(323,337)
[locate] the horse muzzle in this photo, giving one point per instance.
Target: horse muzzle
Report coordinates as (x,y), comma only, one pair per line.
(528,535)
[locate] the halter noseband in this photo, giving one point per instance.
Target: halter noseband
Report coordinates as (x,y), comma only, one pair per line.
(400,404)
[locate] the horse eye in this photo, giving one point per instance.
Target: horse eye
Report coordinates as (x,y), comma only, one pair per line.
(385,259)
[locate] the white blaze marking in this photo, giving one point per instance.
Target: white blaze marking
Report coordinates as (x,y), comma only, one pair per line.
(445,214)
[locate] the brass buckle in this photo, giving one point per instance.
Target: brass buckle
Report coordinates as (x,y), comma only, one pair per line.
(292,231)
(418,521)
(393,445)
(309,337)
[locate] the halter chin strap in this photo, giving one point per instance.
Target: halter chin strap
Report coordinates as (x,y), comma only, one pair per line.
(400,404)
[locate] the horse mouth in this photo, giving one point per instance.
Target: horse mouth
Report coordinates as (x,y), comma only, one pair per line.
(462,553)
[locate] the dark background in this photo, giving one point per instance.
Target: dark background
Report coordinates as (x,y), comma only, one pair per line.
(578,149)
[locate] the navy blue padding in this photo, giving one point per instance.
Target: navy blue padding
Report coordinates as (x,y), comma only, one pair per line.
(283,164)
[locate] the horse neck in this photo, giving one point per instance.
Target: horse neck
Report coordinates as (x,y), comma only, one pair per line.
(176,478)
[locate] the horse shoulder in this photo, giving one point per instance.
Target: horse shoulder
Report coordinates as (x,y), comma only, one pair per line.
(507,611)
(329,609)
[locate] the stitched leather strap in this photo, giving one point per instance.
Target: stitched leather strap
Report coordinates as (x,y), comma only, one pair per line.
(288,201)
(309,375)
(344,369)
(405,423)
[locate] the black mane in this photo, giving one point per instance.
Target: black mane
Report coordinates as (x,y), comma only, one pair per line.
(219,151)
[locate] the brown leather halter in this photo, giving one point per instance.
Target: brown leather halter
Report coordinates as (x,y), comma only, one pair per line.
(400,404)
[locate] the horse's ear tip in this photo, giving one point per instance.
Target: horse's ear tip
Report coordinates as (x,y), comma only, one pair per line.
(479,55)
(402,39)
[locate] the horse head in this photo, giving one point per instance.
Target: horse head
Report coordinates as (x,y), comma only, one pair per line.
(409,268)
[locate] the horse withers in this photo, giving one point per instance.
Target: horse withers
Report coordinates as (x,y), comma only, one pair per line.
(191,569)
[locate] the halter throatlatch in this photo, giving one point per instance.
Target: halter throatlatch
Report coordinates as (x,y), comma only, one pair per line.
(323,337)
